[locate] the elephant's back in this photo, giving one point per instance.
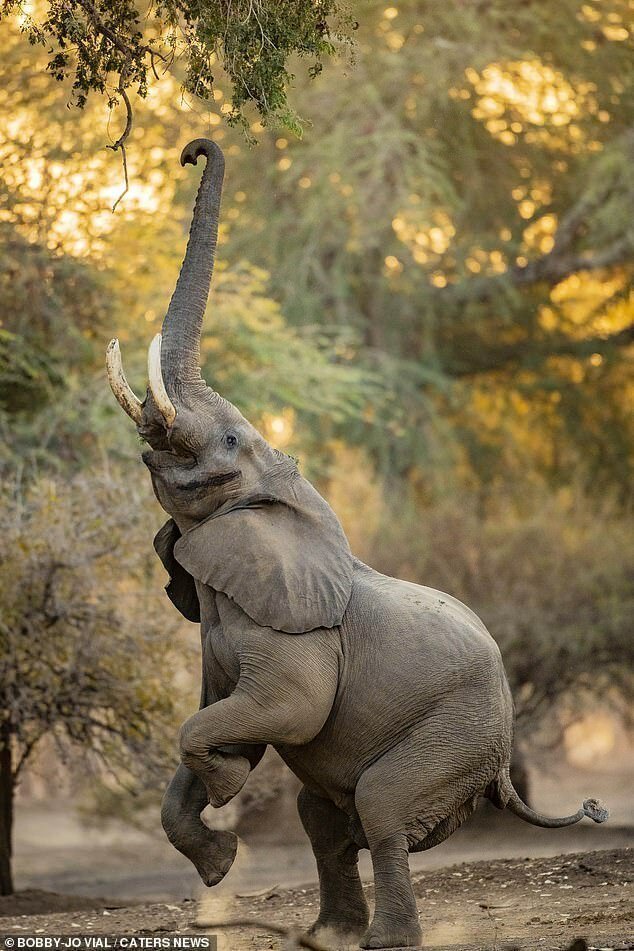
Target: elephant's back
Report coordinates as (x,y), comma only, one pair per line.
(390,612)
(409,650)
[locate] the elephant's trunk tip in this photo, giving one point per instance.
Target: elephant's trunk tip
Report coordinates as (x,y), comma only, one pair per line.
(197,147)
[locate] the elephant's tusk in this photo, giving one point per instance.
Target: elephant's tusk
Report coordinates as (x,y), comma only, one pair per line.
(122,390)
(157,386)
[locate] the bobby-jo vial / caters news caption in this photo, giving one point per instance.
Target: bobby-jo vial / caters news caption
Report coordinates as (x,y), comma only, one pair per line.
(101,942)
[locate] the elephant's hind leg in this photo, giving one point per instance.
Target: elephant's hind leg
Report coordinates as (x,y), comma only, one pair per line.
(379,801)
(395,923)
(343,909)
(415,795)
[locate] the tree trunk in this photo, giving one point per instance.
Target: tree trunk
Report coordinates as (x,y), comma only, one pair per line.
(6,812)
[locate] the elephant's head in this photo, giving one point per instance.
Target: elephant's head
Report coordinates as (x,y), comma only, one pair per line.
(203,451)
(244,521)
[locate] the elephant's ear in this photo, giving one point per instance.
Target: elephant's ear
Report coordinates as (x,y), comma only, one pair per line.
(181,588)
(285,562)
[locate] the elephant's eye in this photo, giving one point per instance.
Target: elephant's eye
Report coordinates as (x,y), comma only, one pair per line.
(231,441)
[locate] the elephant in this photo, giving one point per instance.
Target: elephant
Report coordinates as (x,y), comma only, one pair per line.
(387,699)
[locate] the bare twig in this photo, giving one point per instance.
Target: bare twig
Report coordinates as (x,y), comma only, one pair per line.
(128,52)
(120,143)
(487,908)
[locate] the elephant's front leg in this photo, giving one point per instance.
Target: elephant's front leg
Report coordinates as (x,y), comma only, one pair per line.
(283,697)
(343,909)
(211,851)
(223,777)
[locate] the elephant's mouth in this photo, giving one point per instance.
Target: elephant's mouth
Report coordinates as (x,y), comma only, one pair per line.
(210,480)
(158,460)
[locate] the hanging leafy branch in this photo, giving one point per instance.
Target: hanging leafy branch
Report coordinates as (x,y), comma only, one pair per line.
(93,41)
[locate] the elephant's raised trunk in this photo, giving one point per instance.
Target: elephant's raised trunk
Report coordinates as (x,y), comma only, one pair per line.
(180,350)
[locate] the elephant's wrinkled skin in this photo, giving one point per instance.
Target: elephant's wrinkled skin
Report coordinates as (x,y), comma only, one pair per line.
(387,699)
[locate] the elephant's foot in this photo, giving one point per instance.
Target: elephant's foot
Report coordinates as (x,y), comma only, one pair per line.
(223,774)
(211,851)
(344,914)
(215,855)
(392,934)
(339,932)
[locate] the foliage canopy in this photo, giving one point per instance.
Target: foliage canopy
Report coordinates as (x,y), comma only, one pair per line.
(92,40)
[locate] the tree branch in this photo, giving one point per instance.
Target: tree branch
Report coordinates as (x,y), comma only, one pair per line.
(553,268)
(560,262)
(91,10)
(128,52)
(27,749)
(120,143)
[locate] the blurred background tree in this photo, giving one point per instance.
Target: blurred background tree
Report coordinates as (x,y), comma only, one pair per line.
(427,297)
(464,202)
(84,645)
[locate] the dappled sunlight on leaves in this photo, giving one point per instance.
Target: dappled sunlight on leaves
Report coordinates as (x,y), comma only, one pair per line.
(530,98)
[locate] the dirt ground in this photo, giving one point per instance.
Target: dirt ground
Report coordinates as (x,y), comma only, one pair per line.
(496,884)
(56,850)
(478,906)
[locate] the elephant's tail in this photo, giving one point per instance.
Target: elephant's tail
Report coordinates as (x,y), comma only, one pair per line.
(502,793)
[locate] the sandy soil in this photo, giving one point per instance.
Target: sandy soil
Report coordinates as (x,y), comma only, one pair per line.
(479,906)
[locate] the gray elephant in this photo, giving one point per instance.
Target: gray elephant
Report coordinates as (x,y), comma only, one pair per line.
(387,699)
